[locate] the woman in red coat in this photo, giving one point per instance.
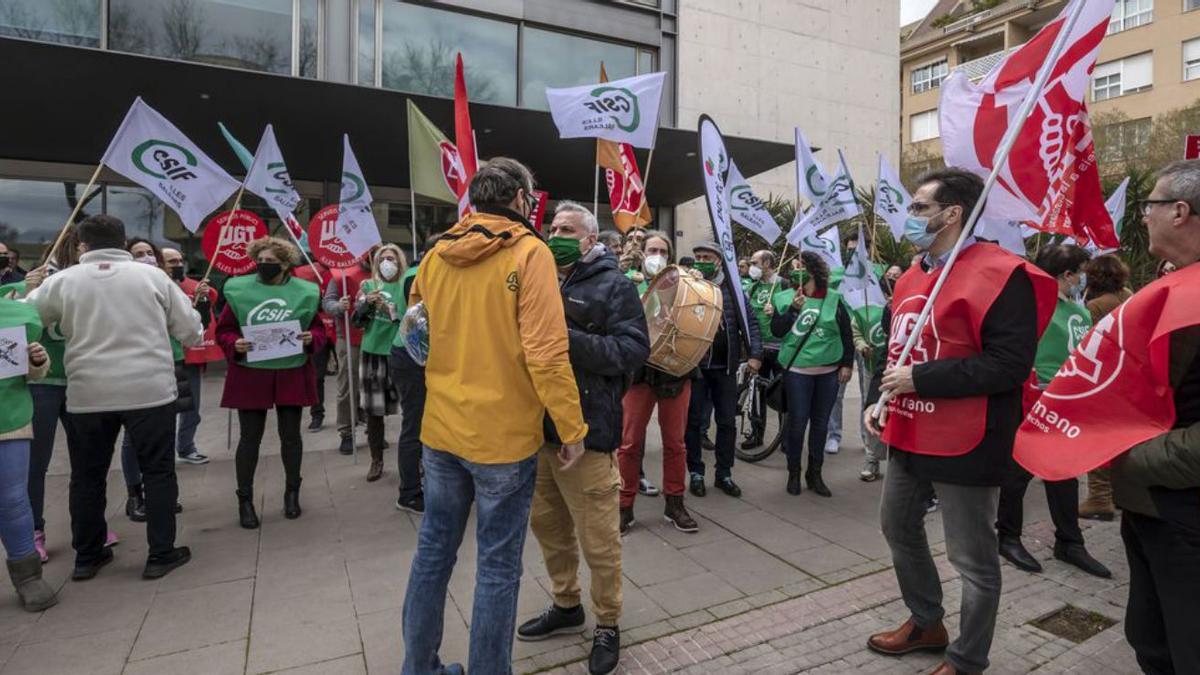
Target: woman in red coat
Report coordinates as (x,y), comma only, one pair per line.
(287,383)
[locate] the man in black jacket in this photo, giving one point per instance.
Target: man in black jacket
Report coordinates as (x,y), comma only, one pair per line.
(578,508)
(984,380)
(717,382)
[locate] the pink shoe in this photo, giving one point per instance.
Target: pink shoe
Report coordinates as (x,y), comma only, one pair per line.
(111,539)
(39,545)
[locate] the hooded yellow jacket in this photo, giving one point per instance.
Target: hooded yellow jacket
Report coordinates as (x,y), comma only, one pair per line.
(498,354)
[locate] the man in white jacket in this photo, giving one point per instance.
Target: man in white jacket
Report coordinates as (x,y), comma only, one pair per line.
(116,316)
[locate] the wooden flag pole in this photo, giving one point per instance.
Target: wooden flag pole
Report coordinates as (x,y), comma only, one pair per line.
(74,212)
(237,203)
(350,374)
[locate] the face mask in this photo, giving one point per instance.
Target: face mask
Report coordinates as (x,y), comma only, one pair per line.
(916,231)
(755,272)
(177,273)
(267,271)
(654,264)
(565,249)
(799,278)
(1080,286)
(388,268)
(708,269)
(3,262)
(147,259)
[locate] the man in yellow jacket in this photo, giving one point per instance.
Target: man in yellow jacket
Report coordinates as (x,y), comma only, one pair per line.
(498,363)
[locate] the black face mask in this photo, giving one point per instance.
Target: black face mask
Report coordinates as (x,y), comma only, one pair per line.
(177,273)
(3,262)
(267,271)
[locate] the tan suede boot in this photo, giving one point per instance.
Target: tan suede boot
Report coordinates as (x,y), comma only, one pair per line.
(1099,502)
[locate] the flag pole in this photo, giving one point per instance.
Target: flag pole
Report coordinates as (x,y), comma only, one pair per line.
(237,204)
(302,252)
(596,191)
(412,204)
(1001,158)
(74,212)
(350,374)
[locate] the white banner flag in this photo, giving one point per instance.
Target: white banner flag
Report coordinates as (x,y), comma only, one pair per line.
(827,244)
(838,204)
(714,166)
(1116,210)
(355,222)
(268,177)
(625,111)
(860,286)
(747,209)
(891,199)
(811,179)
(153,153)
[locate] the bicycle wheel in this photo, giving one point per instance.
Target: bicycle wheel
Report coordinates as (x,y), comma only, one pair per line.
(767,431)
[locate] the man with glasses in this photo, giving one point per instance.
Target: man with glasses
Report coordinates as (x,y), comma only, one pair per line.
(954,411)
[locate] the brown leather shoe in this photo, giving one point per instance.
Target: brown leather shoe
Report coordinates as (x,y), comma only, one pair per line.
(909,638)
(947,669)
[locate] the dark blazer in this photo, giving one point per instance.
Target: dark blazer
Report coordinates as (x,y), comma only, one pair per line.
(1009,337)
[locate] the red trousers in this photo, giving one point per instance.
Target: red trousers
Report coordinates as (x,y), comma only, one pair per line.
(638,404)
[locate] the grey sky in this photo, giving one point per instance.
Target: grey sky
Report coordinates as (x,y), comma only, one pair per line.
(911,10)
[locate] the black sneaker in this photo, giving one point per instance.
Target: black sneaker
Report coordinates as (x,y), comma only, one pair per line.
(553,621)
(729,487)
(606,650)
(412,504)
(158,566)
(347,446)
(88,571)
(697,485)
(317,423)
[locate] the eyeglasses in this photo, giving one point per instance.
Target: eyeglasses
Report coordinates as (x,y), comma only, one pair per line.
(1143,207)
(916,208)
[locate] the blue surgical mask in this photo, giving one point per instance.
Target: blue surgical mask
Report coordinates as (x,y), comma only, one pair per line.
(916,231)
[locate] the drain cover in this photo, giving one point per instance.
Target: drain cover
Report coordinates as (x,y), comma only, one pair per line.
(1074,624)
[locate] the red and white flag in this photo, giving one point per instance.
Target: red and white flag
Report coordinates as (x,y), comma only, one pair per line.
(1050,179)
(464,137)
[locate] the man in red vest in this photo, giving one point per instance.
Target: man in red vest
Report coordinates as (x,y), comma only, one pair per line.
(955,408)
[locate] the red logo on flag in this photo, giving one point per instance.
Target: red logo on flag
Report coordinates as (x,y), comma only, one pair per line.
(452,168)
(323,239)
(231,238)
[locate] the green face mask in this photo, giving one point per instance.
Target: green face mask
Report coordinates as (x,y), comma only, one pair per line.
(565,249)
(799,277)
(709,270)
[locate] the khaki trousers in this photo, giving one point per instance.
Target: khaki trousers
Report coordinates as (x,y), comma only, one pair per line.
(580,510)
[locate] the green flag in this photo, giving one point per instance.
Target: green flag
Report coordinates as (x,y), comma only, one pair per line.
(435,168)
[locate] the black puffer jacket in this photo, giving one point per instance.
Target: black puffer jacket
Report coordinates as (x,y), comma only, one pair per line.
(609,341)
(731,338)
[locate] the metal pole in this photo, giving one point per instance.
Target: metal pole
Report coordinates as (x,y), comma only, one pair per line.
(1006,145)
(596,192)
(350,374)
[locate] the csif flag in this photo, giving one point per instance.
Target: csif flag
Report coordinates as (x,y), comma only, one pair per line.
(864,296)
(243,154)
(1050,179)
(1114,391)
(623,111)
(747,209)
(435,167)
(827,244)
(1116,210)
(355,221)
(626,191)
(837,204)
(150,151)
(714,168)
(268,177)
(891,199)
(811,179)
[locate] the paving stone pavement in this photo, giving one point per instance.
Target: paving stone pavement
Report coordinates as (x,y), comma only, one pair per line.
(771,583)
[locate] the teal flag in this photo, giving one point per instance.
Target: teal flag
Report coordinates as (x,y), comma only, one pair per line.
(247,159)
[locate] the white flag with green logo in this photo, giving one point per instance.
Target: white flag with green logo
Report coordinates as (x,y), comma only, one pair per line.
(1116,210)
(811,179)
(268,177)
(625,111)
(864,296)
(891,199)
(153,153)
(355,221)
(838,204)
(747,209)
(827,244)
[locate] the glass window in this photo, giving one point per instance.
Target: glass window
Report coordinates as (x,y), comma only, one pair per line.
(310,31)
(366,42)
(1130,14)
(929,76)
(1123,76)
(252,34)
(32,212)
(420,44)
(646,61)
(1191,59)
(72,22)
(144,214)
(924,126)
(552,59)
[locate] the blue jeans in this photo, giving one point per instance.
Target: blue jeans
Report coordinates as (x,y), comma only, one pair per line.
(49,406)
(16,516)
(835,417)
(810,399)
(503,494)
(185,433)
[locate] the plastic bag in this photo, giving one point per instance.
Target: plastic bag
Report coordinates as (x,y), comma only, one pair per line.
(414,330)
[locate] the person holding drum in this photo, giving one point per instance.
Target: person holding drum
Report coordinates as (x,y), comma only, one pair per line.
(718,377)
(817,354)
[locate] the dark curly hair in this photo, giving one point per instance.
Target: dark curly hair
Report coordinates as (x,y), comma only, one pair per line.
(1059,259)
(1106,274)
(817,268)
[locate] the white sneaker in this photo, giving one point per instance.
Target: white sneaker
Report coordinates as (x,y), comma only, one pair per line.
(193,457)
(832,446)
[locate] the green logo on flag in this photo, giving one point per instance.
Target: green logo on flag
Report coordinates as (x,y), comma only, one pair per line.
(817,243)
(890,199)
(359,186)
(279,172)
(743,199)
(164,160)
(808,178)
(619,103)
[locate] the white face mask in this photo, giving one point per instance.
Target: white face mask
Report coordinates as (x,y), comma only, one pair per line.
(654,264)
(388,268)
(755,272)
(147,259)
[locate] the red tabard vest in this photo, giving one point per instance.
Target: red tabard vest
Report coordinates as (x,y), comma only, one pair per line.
(207,350)
(949,427)
(1114,391)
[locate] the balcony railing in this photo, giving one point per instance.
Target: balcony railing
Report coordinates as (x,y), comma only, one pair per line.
(977,69)
(967,22)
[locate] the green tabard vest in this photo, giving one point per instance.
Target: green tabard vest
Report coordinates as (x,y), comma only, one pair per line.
(824,346)
(52,340)
(255,303)
(381,332)
(1067,327)
(402,305)
(17,409)
(760,293)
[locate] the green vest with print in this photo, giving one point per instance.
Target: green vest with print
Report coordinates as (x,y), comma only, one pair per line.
(52,340)
(760,293)
(402,305)
(17,409)
(1071,321)
(256,303)
(381,332)
(824,346)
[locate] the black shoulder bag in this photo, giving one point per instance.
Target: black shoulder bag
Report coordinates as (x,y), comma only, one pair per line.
(773,393)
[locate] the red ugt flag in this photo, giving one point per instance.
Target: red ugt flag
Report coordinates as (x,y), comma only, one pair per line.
(1113,392)
(464,135)
(1050,179)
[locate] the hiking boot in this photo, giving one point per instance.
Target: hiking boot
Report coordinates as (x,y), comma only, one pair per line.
(677,515)
(553,621)
(26,576)
(626,519)
(1099,502)
(697,485)
(606,650)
